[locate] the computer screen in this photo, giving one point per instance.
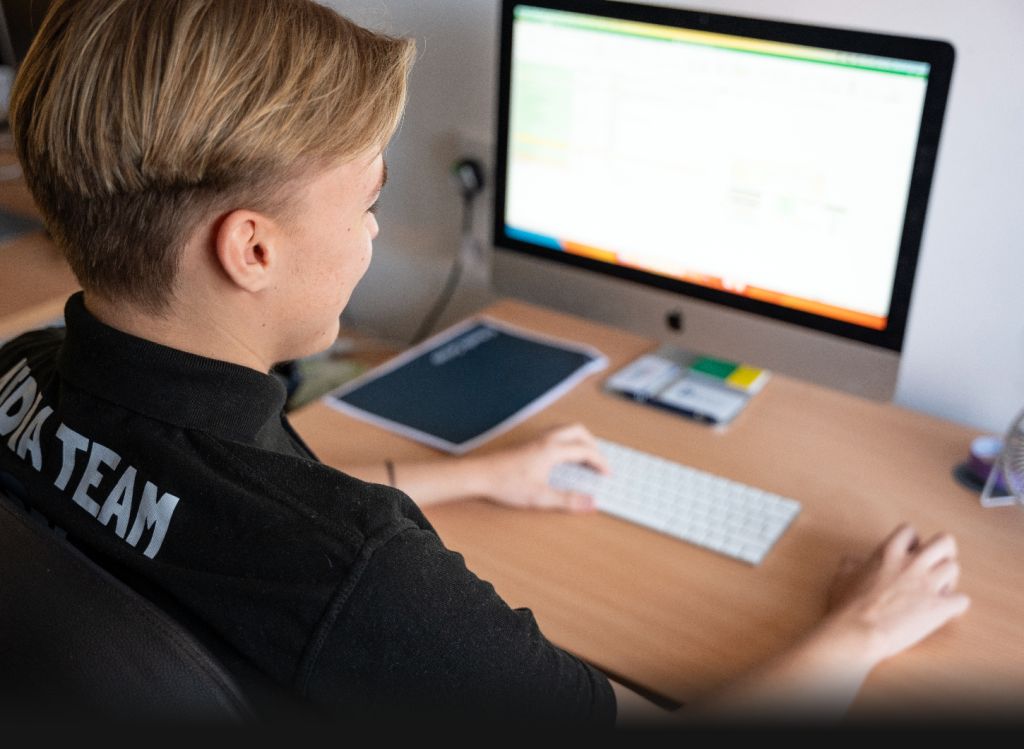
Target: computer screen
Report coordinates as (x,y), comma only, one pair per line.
(773,168)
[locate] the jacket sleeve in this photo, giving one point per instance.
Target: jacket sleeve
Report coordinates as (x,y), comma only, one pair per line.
(418,632)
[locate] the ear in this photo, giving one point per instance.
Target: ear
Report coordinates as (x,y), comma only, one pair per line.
(245,249)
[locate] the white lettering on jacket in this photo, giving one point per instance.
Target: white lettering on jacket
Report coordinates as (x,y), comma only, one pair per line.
(23,420)
(73,442)
(155,514)
(92,476)
(16,399)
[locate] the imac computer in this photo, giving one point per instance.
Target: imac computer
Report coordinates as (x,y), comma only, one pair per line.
(749,189)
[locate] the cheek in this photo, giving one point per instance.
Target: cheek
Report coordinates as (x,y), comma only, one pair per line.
(366,258)
(362,254)
(352,263)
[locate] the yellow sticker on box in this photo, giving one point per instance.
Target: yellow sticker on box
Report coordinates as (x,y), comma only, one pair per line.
(743,376)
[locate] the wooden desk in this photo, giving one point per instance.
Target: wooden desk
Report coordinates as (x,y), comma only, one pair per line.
(678,620)
(34,279)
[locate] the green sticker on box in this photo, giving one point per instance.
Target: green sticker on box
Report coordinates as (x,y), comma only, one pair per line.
(714,367)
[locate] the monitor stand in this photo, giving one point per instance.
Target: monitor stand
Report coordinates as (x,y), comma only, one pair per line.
(812,356)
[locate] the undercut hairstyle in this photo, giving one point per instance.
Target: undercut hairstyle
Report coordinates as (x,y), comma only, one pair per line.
(134,120)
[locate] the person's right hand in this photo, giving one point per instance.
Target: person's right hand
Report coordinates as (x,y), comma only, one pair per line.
(518,476)
(900,594)
(878,607)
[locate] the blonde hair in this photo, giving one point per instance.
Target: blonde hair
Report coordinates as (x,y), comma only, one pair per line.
(135,119)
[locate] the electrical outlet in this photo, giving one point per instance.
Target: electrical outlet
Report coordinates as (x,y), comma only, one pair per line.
(476,146)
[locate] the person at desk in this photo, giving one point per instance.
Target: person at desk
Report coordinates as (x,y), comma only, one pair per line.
(210,170)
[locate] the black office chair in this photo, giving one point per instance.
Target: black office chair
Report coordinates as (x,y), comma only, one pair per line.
(76,642)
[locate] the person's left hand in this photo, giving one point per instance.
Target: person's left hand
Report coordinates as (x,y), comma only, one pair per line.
(518,477)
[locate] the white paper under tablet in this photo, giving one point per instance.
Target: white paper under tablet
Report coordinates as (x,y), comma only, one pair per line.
(468,384)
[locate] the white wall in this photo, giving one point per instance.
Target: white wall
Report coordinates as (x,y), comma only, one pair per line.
(450,101)
(964,353)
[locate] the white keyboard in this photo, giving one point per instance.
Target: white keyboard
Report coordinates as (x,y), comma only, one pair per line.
(710,511)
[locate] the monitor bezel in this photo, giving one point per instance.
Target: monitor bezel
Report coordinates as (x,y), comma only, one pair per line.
(938,54)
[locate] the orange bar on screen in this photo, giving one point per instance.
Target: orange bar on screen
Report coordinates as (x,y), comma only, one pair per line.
(592,252)
(817,308)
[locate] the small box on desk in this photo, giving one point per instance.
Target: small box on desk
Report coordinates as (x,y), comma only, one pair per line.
(703,388)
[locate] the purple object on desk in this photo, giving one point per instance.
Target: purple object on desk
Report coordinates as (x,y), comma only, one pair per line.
(984,453)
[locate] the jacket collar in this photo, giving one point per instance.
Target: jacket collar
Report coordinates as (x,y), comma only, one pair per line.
(181,389)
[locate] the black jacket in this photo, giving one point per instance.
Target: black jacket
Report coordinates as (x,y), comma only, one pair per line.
(181,476)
